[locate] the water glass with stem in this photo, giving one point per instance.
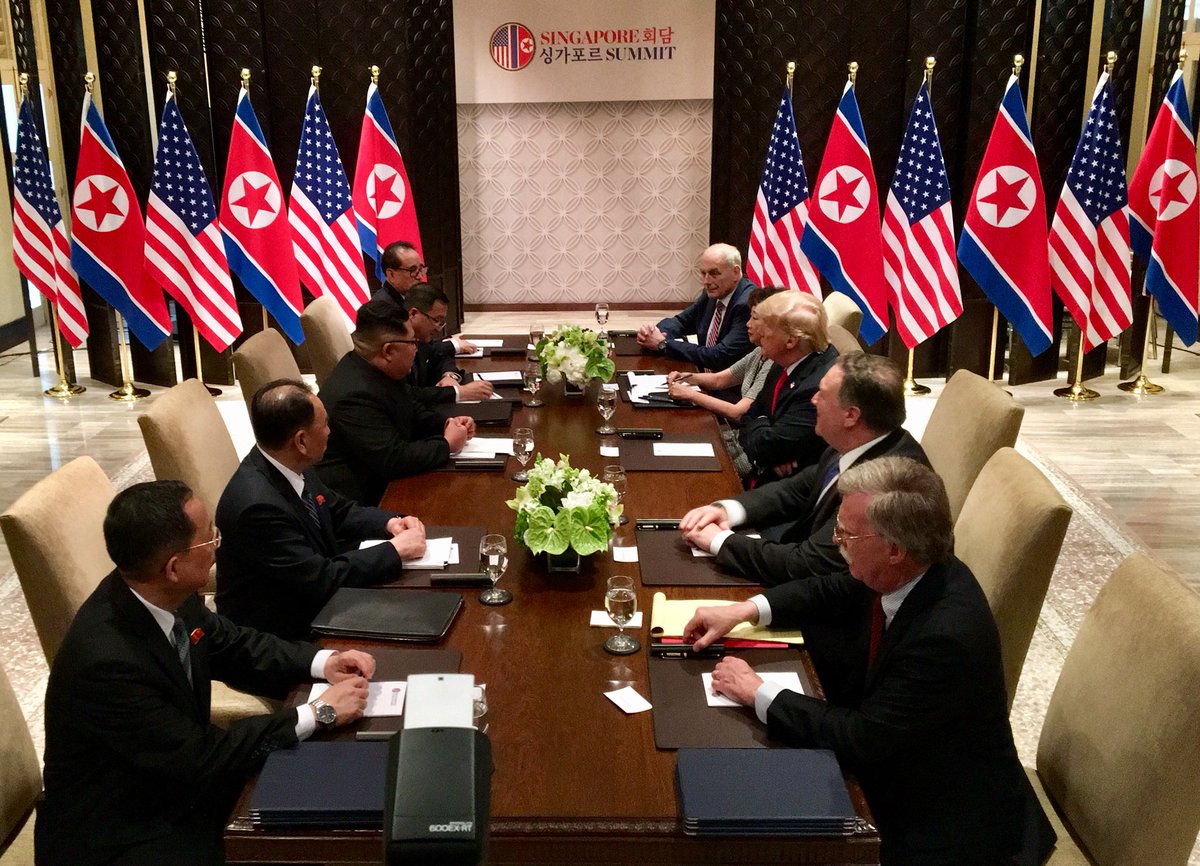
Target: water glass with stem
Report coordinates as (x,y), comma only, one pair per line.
(493,560)
(606,403)
(602,320)
(614,474)
(620,600)
(522,450)
(533,381)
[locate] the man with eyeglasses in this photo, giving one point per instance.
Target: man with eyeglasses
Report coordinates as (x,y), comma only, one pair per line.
(402,270)
(434,376)
(378,430)
(135,772)
(909,656)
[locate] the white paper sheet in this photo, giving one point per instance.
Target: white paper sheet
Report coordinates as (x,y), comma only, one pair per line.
(437,554)
(622,553)
(513,376)
(384,698)
(701,554)
(610,451)
(683,449)
(487,344)
(787,679)
(486,446)
(629,700)
(601,619)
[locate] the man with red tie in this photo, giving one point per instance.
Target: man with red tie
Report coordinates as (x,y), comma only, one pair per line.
(917,705)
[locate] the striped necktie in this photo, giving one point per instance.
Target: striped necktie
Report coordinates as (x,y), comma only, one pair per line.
(310,505)
(183,646)
(715,328)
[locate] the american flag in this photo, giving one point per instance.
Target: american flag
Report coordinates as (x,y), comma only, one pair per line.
(918,238)
(1089,239)
(321,214)
(184,249)
(781,211)
(40,246)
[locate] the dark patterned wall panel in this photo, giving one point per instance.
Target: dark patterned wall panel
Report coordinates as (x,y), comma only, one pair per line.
(1122,34)
(1166,61)
(234,34)
(23,43)
(123,87)
(175,45)
(291,44)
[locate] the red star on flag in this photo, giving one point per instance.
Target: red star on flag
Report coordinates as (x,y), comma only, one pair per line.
(1006,197)
(101,203)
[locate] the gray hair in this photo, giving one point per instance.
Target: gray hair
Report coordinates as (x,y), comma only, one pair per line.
(908,505)
(730,257)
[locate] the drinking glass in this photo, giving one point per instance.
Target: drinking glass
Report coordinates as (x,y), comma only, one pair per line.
(602,319)
(479,708)
(493,559)
(615,475)
(606,402)
(533,381)
(522,450)
(536,331)
(620,600)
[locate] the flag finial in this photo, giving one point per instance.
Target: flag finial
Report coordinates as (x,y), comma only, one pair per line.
(246,80)
(374,74)
(1018,62)
(316,77)
(1110,61)
(791,71)
(1182,56)
(172,77)
(930,62)
(89,81)
(23,81)
(853,70)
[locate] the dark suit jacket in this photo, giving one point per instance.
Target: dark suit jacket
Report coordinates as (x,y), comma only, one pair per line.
(788,433)
(275,570)
(807,546)
(132,762)
(377,432)
(732,340)
(387,293)
(433,361)
(926,729)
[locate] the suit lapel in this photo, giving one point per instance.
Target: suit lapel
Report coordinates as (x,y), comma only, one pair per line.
(158,645)
(322,538)
(914,605)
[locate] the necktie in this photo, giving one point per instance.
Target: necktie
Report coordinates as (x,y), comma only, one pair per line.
(783,377)
(310,505)
(877,625)
(828,479)
(715,328)
(183,646)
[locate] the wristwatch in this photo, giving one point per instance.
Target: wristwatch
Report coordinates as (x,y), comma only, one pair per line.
(325,713)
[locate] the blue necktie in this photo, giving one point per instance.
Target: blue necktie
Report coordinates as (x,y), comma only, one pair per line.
(183,646)
(310,505)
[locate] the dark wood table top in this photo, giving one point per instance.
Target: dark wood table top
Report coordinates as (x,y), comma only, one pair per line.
(576,779)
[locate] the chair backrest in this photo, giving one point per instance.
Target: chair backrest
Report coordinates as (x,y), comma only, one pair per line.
(262,359)
(1119,751)
(845,342)
(189,442)
(55,535)
(972,419)
(841,310)
(1009,533)
(20,771)
(327,335)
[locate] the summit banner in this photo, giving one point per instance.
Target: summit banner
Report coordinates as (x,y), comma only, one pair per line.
(550,51)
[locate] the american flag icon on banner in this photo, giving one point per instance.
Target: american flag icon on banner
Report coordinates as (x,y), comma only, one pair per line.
(512,46)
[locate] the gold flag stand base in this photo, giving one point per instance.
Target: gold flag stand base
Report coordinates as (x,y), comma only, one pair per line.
(913,388)
(1141,385)
(128,394)
(1076,393)
(64,390)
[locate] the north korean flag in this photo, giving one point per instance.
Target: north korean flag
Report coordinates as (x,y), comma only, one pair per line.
(1166,213)
(108,236)
(1004,242)
(383,202)
(258,239)
(842,238)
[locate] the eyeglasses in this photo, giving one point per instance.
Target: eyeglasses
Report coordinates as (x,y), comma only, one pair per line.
(215,541)
(840,536)
(440,321)
(415,270)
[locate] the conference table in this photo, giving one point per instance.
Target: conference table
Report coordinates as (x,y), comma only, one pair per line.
(576,780)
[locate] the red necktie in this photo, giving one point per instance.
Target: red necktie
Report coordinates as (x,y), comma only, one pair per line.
(877,624)
(783,377)
(715,327)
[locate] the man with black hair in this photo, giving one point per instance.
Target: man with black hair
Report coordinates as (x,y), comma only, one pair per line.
(403,269)
(289,541)
(434,377)
(135,773)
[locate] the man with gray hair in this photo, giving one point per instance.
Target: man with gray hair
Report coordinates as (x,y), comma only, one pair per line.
(917,706)
(717,318)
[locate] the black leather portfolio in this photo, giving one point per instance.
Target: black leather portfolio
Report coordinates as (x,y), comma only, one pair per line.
(322,784)
(380,614)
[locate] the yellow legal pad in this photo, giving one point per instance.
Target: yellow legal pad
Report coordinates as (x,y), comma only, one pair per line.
(669,616)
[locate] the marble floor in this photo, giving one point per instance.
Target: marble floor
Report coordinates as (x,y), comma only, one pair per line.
(1128,466)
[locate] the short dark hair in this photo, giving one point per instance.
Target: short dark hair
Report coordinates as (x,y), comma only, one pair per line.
(379,321)
(875,385)
(391,253)
(278,409)
(423,296)
(145,524)
(760,293)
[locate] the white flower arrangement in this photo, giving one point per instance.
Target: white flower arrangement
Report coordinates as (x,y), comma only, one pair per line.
(576,354)
(562,507)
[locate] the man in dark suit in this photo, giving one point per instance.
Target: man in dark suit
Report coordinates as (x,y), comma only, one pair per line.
(435,377)
(290,542)
(860,407)
(921,713)
(378,431)
(403,269)
(724,299)
(135,772)
(779,427)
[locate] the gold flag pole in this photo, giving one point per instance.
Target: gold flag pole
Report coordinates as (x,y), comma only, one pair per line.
(1078,392)
(913,388)
(994,372)
(1142,385)
(245,76)
(126,393)
(64,390)
(172,78)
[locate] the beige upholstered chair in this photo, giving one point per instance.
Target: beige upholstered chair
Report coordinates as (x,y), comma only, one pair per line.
(841,310)
(261,359)
(843,340)
(55,534)
(326,334)
(973,418)
(1010,532)
(20,779)
(1119,753)
(189,442)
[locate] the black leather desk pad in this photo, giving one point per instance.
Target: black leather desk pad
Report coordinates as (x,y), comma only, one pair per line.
(665,559)
(466,537)
(637,455)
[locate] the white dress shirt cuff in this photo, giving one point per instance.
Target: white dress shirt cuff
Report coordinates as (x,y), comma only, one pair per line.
(764,609)
(317,670)
(763,696)
(306,722)
(714,546)
(456,343)
(735,510)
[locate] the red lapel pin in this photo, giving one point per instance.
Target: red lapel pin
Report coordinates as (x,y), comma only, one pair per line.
(197,633)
